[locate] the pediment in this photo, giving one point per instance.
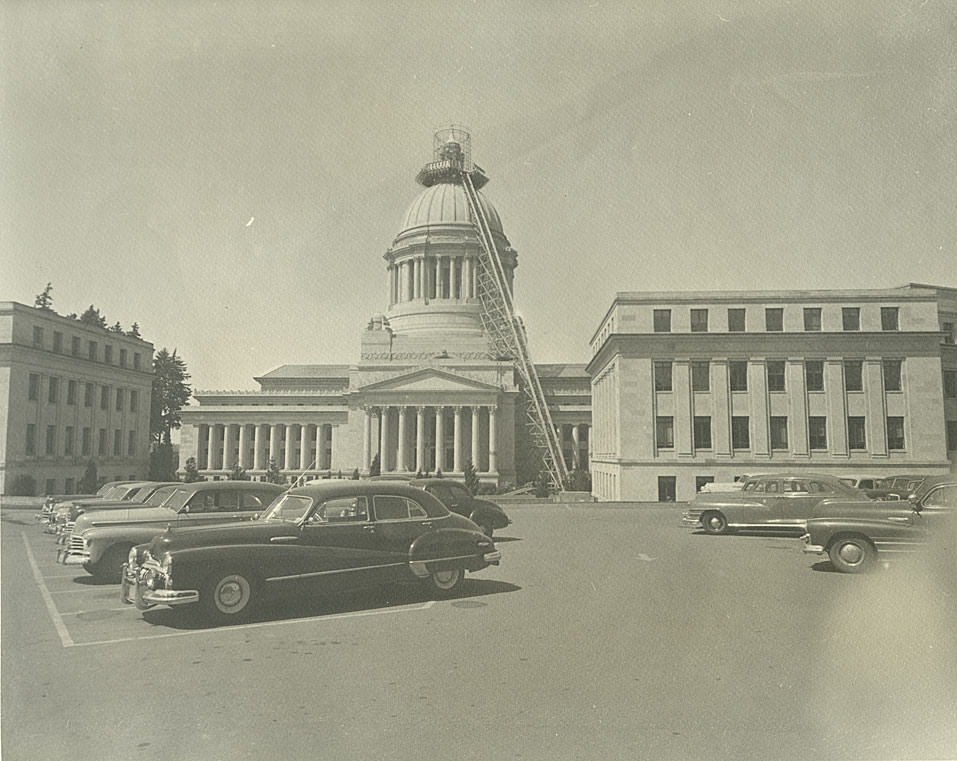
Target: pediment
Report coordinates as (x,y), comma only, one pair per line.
(428,380)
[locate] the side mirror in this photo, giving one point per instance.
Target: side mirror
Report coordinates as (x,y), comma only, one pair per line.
(184,509)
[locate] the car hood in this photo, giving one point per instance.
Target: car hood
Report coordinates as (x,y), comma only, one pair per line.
(111,517)
(218,534)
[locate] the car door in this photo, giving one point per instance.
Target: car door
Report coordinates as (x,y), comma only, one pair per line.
(796,501)
(210,506)
(760,504)
(399,521)
(938,504)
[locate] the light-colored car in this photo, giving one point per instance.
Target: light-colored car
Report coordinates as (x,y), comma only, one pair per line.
(781,502)
(101,539)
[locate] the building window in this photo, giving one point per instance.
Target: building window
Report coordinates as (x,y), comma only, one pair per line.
(952,435)
(33,392)
(738,374)
(51,440)
(699,320)
(892,374)
(776,375)
(701,481)
(38,336)
(740,433)
(68,441)
(31,443)
(814,374)
(662,375)
(134,400)
(662,318)
(87,435)
(667,488)
(104,397)
(856,434)
(57,342)
(88,395)
(950,384)
(889,318)
(700,375)
(948,330)
(851,318)
(736,322)
(71,392)
(68,486)
(779,432)
(665,432)
(131,445)
(108,354)
(853,375)
(117,442)
(817,432)
(702,432)
(136,360)
(101,443)
(75,346)
(895,433)
(53,390)
(92,351)
(812,318)
(774,319)
(122,357)
(119,399)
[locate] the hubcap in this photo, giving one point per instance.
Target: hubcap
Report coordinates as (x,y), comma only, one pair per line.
(232,593)
(851,554)
(714,521)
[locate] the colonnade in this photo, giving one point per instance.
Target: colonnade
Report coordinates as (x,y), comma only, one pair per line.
(421,439)
(433,277)
(293,446)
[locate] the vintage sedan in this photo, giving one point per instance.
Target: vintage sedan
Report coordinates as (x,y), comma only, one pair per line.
(770,502)
(317,538)
(486,515)
(856,537)
(101,539)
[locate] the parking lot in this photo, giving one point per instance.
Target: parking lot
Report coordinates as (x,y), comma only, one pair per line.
(608,631)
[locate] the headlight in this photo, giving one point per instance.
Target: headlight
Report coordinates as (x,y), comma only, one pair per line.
(166,565)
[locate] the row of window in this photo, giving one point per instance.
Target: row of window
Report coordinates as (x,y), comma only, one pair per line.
(775,369)
(774,320)
(121,398)
(741,432)
(92,348)
(71,447)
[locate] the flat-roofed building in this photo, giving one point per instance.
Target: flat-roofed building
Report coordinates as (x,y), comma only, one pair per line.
(691,387)
(70,393)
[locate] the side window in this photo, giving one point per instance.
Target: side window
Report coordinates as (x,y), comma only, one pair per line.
(342,510)
(225,501)
(389,508)
(759,487)
(799,487)
(773,487)
(250,500)
(942,496)
(416,510)
(200,502)
(816,488)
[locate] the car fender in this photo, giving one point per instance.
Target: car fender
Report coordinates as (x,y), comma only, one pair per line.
(99,539)
(823,531)
(449,547)
(489,511)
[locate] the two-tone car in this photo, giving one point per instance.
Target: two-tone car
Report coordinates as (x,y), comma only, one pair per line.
(485,514)
(101,539)
(778,502)
(131,495)
(323,537)
(857,537)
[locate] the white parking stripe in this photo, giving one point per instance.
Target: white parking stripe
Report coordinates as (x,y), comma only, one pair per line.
(47,598)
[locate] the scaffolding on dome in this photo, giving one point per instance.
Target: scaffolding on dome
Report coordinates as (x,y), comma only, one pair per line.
(452,148)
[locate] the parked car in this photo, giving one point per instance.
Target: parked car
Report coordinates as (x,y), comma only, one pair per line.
(856,537)
(52,500)
(486,515)
(906,485)
(101,539)
(135,494)
(780,502)
(873,487)
(320,537)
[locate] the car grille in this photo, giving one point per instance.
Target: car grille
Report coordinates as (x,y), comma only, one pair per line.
(76,544)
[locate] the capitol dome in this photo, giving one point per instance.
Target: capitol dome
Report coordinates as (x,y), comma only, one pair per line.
(445,203)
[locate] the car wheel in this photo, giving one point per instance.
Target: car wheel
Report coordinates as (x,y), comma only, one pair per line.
(852,554)
(227,596)
(714,523)
(110,566)
(446,580)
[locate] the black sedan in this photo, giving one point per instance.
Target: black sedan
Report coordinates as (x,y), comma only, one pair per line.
(318,538)
(487,515)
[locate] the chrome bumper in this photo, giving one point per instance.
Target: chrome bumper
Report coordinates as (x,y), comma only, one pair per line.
(691,520)
(65,557)
(134,590)
(813,549)
(492,558)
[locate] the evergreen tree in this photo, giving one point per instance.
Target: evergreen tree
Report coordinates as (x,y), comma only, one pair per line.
(471,478)
(355,474)
(273,475)
(237,473)
(438,472)
(116,327)
(376,467)
(44,300)
(92,316)
(88,484)
(192,472)
(162,462)
(170,394)
(134,331)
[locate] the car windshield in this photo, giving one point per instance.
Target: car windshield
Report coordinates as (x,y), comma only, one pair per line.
(288,508)
(178,499)
(159,496)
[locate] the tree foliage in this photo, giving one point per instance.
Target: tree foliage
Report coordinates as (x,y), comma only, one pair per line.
(471,478)
(191,471)
(134,331)
(578,480)
(92,316)
(170,394)
(238,473)
(375,468)
(273,476)
(44,299)
(88,484)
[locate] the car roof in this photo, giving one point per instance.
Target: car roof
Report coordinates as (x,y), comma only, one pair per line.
(806,476)
(208,485)
(420,482)
(368,488)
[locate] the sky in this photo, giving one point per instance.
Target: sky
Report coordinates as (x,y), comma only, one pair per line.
(228,175)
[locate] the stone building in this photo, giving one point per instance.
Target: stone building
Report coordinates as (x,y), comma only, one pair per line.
(425,395)
(70,393)
(690,387)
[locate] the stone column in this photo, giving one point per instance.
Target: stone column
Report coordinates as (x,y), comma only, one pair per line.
(211,442)
(289,464)
(384,440)
(274,443)
(366,438)
(229,443)
(468,276)
(476,445)
(402,463)
(333,443)
(304,459)
(243,460)
(416,277)
(420,465)
(457,464)
(576,446)
(260,433)
(440,438)
(492,453)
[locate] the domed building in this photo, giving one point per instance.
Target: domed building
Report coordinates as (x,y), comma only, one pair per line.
(427,393)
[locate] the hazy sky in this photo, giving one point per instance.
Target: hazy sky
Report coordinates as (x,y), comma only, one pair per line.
(229,175)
